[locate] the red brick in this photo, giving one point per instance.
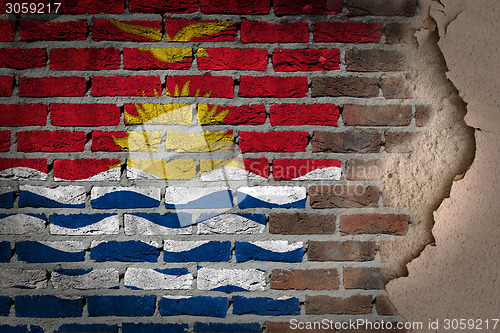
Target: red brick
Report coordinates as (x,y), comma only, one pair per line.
(13,115)
(341,251)
(68,86)
(344,86)
(236,59)
(57,141)
(259,166)
(285,141)
(377,115)
(161,6)
(6,85)
(288,169)
(315,279)
(354,305)
(374,224)
(381,7)
(39,164)
(302,114)
(4,141)
(240,115)
(344,196)
(174,30)
(84,114)
(201,85)
(363,169)
(347,32)
(7,30)
(263,32)
(395,87)
(92,7)
(81,168)
(400,142)
(315,7)
(103,141)
(363,278)
(143,59)
(373,60)
(84,59)
(384,306)
(22,58)
(244,7)
(106,30)
(301,224)
(346,142)
(293,60)
(125,86)
(422,115)
(273,86)
(53,31)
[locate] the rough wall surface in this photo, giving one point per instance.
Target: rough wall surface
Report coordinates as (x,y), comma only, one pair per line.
(457,278)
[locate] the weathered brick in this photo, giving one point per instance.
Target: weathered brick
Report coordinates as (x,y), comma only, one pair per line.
(398,33)
(54,31)
(341,251)
(125,86)
(272,197)
(301,224)
(362,170)
(344,86)
(206,306)
(48,306)
(87,169)
(68,86)
(347,32)
(24,278)
(201,85)
(266,306)
(7,30)
(377,115)
(17,168)
(293,60)
(315,279)
(50,251)
(108,30)
(315,7)
(363,278)
(263,32)
(18,58)
(92,7)
(302,114)
(228,280)
(391,224)
(306,169)
(126,251)
(203,31)
(104,141)
(162,7)
(354,305)
(285,141)
(84,279)
(149,58)
(273,86)
(394,87)
(381,7)
(243,7)
(235,59)
(122,306)
(23,115)
(373,60)
(384,306)
(56,141)
(422,115)
(92,59)
(344,196)
(400,142)
(346,142)
(237,115)
(4,141)
(6,85)
(84,114)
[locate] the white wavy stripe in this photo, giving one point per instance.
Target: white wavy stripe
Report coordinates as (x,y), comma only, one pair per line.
(136,225)
(329,173)
(275,194)
(149,279)
(249,279)
(66,246)
(230,173)
(6,189)
(21,224)
(183,195)
(96,279)
(181,246)
(280,246)
(230,224)
(152,192)
(111,174)
(29,278)
(151,243)
(176,297)
(62,194)
(138,174)
(106,226)
(22,173)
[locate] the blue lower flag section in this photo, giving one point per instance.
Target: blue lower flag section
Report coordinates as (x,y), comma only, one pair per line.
(29,199)
(265,306)
(5,252)
(48,306)
(229,328)
(87,328)
(248,201)
(76,221)
(154,328)
(248,251)
(7,200)
(123,306)
(20,329)
(211,251)
(124,200)
(132,251)
(194,306)
(35,252)
(4,305)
